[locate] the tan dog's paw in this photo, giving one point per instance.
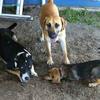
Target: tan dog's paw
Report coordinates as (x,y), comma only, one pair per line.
(41,39)
(93,84)
(50,62)
(56,81)
(66,61)
(47,78)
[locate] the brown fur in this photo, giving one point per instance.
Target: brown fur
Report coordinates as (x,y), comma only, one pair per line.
(53,75)
(14,72)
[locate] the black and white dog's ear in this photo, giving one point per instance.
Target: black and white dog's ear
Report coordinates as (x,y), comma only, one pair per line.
(14,37)
(12,26)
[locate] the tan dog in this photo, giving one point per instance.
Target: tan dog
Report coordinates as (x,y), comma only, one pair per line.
(53,29)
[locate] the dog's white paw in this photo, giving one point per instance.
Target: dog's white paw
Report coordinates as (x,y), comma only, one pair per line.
(41,39)
(93,84)
(50,62)
(33,71)
(66,61)
(35,74)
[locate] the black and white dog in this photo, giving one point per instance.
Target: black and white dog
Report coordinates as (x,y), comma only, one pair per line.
(15,55)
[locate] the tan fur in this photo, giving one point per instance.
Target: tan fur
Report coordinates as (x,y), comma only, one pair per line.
(49,14)
(53,75)
(16,72)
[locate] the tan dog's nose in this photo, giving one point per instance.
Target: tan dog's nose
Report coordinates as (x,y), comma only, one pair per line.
(52,35)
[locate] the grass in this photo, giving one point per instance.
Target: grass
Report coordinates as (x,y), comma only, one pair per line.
(81,16)
(10,10)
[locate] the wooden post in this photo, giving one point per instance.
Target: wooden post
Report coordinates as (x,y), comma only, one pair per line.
(19,10)
(1,5)
(43,2)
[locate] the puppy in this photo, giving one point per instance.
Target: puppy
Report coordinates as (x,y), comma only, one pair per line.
(17,59)
(86,71)
(53,29)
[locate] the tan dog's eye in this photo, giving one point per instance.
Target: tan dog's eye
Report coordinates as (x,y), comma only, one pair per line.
(49,25)
(56,25)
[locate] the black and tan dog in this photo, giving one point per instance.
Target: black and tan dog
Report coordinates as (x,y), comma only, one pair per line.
(53,29)
(86,71)
(15,55)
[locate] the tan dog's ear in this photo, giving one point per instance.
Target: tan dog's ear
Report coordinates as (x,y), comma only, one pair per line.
(64,23)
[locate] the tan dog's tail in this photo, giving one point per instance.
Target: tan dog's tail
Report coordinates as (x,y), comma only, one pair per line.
(50,1)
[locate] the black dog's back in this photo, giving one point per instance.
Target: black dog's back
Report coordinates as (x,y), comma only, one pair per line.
(8,47)
(85,70)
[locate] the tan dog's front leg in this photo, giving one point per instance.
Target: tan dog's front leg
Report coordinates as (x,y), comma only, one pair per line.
(42,36)
(49,61)
(63,46)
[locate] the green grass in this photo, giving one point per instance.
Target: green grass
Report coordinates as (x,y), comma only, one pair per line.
(81,16)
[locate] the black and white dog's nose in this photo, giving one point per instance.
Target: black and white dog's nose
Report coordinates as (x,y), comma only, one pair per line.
(27,78)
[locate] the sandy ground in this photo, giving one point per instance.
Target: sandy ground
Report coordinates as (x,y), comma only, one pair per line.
(82,43)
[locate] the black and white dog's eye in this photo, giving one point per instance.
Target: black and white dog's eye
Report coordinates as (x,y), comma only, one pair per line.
(49,25)
(56,25)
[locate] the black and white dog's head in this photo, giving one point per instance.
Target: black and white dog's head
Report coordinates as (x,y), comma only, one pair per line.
(24,62)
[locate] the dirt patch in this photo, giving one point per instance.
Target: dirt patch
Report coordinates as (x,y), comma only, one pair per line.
(82,43)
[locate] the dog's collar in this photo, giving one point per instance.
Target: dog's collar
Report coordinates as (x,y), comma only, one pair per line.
(16,59)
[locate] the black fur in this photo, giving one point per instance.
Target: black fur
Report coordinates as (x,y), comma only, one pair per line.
(8,31)
(83,71)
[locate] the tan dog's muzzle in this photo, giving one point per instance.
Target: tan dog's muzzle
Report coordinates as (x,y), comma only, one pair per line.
(52,35)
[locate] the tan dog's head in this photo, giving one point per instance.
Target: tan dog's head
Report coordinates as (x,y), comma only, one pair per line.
(54,26)
(55,75)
